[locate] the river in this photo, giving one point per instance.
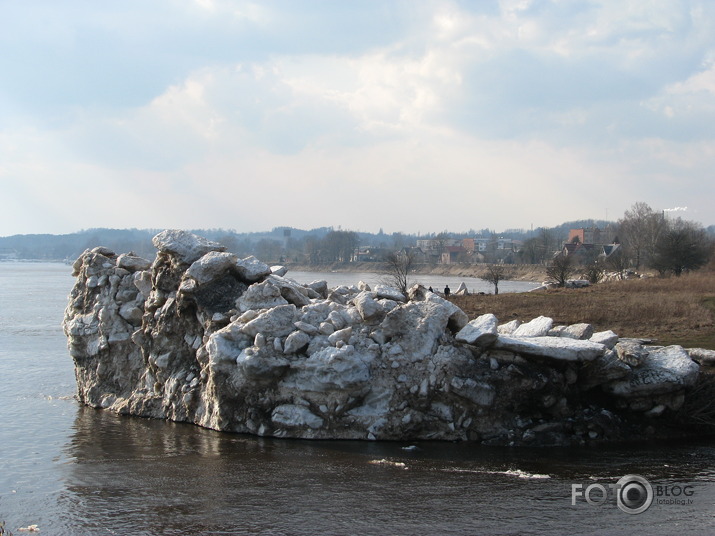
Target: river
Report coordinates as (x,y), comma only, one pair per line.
(72,470)
(437,282)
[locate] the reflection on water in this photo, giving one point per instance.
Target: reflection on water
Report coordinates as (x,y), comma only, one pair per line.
(137,476)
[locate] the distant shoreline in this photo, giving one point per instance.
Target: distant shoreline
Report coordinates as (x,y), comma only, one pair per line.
(521,272)
(36,261)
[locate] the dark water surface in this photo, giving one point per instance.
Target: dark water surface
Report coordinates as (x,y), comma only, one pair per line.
(73,470)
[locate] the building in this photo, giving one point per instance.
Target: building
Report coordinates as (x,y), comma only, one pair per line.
(453,254)
(371,254)
(438,243)
(591,242)
(592,235)
(452,250)
(485,244)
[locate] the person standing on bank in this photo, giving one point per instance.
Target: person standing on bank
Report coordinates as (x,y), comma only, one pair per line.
(446,291)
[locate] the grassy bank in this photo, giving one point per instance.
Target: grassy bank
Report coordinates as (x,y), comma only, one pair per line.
(676,310)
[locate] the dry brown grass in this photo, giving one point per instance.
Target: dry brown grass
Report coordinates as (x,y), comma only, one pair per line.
(676,310)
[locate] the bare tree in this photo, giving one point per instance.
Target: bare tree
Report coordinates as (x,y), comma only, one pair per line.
(538,249)
(594,270)
(399,265)
(560,269)
(398,240)
(442,238)
(683,247)
(311,247)
(618,261)
(339,246)
(530,252)
(548,243)
(641,228)
(268,250)
(593,265)
(494,273)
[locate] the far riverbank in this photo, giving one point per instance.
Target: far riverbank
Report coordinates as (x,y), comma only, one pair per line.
(521,272)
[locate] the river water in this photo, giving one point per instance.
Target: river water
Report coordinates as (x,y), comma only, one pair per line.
(72,470)
(437,282)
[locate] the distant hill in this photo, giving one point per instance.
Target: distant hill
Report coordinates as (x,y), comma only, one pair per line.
(67,247)
(71,246)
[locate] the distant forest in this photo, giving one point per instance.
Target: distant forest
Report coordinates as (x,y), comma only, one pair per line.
(270,245)
(280,244)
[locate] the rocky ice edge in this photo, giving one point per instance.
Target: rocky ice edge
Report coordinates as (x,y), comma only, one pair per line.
(199,335)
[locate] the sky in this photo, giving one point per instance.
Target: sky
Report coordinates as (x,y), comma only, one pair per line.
(413,116)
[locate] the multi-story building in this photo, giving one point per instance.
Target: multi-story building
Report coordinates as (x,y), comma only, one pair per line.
(592,235)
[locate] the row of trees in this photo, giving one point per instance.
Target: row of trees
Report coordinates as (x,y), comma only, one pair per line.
(332,245)
(648,240)
(335,246)
(667,245)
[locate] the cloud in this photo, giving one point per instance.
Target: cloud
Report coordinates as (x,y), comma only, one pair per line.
(687,108)
(430,115)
